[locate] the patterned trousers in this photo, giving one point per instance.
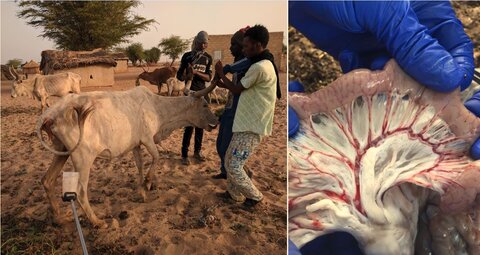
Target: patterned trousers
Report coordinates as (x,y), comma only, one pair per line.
(239,185)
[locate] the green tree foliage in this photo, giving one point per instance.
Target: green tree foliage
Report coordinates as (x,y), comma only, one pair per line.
(84,25)
(15,63)
(173,46)
(152,55)
(135,53)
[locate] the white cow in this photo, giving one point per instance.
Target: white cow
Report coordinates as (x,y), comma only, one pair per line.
(41,87)
(110,124)
(178,86)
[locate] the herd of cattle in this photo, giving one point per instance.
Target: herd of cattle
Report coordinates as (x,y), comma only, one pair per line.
(84,126)
(167,75)
(41,87)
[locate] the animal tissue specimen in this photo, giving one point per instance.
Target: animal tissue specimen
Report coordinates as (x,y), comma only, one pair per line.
(371,148)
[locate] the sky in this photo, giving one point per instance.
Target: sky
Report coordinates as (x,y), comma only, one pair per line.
(183,18)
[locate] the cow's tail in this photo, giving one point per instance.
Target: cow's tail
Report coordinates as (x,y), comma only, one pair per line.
(46,121)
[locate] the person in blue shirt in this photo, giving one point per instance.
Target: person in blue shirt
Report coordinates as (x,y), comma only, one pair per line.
(238,70)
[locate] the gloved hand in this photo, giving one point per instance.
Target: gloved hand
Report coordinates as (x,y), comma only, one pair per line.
(293,123)
(337,243)
(473,104)
(292,249)
(425,38)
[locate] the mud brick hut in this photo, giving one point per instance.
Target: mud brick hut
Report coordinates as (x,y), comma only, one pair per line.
(96,67)
(219,48)
(30,67)
(122,62)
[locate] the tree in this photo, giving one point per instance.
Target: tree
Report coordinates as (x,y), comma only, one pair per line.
(85,25)
(15,63)
(152,55)
(135,53)
(173,46)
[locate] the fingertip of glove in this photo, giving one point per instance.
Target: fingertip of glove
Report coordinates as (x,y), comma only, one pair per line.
(293,123)
(473,105)
(295,86)
(475,150)
(450,77)
(442,80)
(466,80)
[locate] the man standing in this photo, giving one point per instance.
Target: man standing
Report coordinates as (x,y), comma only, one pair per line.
(254,116)
(238,69)
(201,62)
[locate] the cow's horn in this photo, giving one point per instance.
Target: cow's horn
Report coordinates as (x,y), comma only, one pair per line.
(10,72)
(14,73)
(205,91)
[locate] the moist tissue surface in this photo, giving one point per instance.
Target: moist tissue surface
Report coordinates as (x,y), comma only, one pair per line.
(368,166)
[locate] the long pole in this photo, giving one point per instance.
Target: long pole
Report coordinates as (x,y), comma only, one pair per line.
(79,228)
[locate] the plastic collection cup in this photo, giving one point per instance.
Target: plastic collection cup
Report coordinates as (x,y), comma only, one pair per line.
(70,182)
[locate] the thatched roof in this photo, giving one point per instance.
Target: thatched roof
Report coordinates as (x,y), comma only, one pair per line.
(31,64)
(57,60)
(119,55)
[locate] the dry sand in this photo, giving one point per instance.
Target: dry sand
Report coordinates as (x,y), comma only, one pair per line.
(184,213)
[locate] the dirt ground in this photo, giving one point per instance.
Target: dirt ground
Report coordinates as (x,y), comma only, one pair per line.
(184,214)
(315,68)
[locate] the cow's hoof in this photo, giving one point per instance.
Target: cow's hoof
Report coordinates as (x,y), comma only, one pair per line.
(148,185)
(143,193)
(101,224)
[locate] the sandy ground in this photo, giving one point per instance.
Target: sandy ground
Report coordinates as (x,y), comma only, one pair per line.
(184,214)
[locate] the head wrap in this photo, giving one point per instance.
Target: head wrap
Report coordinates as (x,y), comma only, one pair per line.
(201,37)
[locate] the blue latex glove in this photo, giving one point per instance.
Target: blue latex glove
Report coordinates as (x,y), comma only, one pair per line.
(292,249)
(337,243)
(293,123)
(473,104)
(425,38)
